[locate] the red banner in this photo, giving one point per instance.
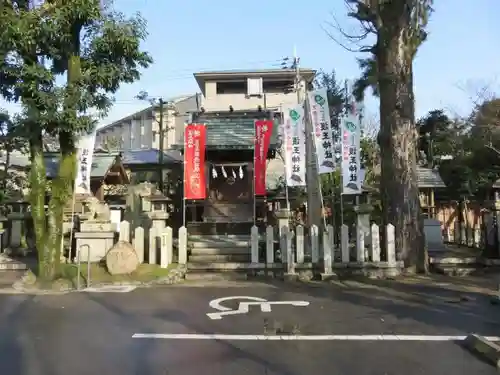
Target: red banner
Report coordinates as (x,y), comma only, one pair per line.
(263,131)
(195,136)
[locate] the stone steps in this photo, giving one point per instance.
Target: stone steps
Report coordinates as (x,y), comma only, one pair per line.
(7,263)
(216,258)
(219,237)
(218,244)
(217,266)
(216,276)
(220,251)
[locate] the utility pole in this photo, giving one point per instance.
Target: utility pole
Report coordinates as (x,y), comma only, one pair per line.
(296,66)
(160,154)
(162,105)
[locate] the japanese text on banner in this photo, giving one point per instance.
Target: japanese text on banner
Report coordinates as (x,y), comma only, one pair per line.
(263,132)
(85,153)
(322,130)
(295,146)
(194,162)
(351,166)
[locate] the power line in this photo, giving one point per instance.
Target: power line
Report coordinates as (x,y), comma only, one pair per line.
(283,63)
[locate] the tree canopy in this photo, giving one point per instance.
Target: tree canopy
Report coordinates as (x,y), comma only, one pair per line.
(464,149)
(95,49)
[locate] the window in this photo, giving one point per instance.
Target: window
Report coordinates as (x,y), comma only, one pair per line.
(232,87)
(254,86)
(278,86)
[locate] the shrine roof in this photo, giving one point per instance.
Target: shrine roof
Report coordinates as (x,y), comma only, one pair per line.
(234,130)
(100,164)
(429,178)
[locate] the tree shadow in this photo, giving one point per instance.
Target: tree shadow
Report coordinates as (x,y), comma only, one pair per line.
(434,306)
(12,356)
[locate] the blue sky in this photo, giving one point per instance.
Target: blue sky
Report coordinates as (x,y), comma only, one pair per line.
(191,35)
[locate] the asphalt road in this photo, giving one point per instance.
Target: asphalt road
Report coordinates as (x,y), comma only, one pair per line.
(92,333)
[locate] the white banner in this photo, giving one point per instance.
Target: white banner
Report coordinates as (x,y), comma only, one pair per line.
(322,130)
(85,152)
(295,146)
(351,166)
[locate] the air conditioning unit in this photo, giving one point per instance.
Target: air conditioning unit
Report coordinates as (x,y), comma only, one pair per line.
(254,87)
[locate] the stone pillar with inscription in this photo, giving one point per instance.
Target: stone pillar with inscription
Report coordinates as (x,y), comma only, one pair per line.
(363,212)
(96,235)
(16,224)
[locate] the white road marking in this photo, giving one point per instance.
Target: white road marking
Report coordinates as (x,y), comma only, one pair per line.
(223,337)
(244,307)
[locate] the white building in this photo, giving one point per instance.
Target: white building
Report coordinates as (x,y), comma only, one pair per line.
(141,129)
(249,89)
(269,89)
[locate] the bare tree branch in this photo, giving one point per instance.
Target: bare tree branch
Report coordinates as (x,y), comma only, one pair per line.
(351,41)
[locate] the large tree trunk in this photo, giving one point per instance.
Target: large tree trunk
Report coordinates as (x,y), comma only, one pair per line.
(61,193)
(398,140)
(62,186)
(37,201)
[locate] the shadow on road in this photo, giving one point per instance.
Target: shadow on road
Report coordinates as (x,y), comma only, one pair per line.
(433,305)
(13,352)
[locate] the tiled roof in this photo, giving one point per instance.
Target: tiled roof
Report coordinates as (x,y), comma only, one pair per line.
(150,156)
(429,178)
(232,130)
(100,164)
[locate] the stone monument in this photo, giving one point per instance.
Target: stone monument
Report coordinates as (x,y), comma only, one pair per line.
(122,259)
(137,205)
(433,235)
(96,233)
(363,213)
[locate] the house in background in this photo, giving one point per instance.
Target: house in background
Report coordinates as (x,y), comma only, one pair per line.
(141,130)
(265,90)
(249,89)
(240,90)
(232,101)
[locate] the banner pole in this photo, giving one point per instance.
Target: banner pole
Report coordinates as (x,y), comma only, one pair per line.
(341,200)
(73,203)
(253,174)
(184,179)
(315,156)
(283,156)
(341,190)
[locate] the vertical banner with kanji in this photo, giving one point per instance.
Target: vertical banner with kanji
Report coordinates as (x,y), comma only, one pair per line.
(263,132)
(351,165)
(85,153)
(194,161)
(322,130)
(295,146)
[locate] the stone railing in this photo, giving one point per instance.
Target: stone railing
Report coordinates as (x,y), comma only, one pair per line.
(365,255)
(155,245)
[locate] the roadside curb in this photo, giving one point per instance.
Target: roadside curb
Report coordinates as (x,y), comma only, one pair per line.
(484,348)
(23,287)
